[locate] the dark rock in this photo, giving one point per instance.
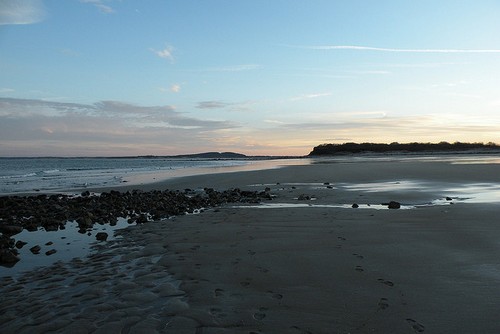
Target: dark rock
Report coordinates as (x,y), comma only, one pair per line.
(449,198)
(11,229)
(304,197)
(20,244)
(8,258)
(36,249)
(394,205)
(50,252)
(101,236)
(49,243)
(355,206)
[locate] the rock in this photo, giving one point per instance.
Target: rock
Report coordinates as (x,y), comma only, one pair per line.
(8,258)
(11,229)
(50,252)
(394,205)
(449,198)
(20,244)
(101,236)
(304,197)
(355,206)
(36,249)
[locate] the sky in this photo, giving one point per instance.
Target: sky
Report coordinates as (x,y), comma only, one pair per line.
(259,77)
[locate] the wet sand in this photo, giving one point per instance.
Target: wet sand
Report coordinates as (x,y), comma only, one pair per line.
(313,269)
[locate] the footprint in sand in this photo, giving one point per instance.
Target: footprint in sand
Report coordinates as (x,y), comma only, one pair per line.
(218,292)
(244,284)
(277,296)
(361,257)
(259,316)
(217,312)
(359,268)
(251,252)
(383,303)
(342,238)
(419,328)
(300,330)
(383,281)
(263,270)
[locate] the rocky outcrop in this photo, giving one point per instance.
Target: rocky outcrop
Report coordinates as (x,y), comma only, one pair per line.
(51,212)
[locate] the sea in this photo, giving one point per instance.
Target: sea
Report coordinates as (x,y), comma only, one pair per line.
(48,175)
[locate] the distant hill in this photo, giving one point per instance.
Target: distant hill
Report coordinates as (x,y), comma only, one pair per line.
(212,155)
(350,148)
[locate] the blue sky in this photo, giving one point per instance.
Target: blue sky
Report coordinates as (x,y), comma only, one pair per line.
(118,77)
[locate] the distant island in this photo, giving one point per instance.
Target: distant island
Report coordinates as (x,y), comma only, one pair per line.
(350,148)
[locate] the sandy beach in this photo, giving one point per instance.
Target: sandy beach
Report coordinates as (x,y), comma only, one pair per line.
(304,262)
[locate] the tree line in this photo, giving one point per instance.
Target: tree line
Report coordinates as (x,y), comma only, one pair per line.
(346,148)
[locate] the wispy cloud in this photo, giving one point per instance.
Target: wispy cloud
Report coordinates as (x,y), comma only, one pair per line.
(166,53)
(21,12)
(121,112)
(397,50)
(234,68)
(99,4)
(108,127)
(310,96)
(212,105)
(6,90)
(175,88)
(239,106)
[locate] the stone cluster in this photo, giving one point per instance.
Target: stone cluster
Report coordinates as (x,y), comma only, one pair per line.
(53,211)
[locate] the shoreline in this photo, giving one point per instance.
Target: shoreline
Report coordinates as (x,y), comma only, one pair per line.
(287,270)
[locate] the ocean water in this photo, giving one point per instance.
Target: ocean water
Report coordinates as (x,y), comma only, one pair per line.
(27,175)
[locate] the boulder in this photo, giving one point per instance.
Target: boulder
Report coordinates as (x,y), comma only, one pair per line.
(36,249)
(394,205)
(8,258)
(50,252)
(101,236)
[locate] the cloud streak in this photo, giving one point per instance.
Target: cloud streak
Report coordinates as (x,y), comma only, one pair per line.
(395,50)
(30,127)
(310,96)
(166,53)
(100,6)
(21,12)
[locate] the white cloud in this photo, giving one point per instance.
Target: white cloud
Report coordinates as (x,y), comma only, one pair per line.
(310,96)
(397,50)
(21,12)
(175,88)
(166,53)
(6,90)
(100,6)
